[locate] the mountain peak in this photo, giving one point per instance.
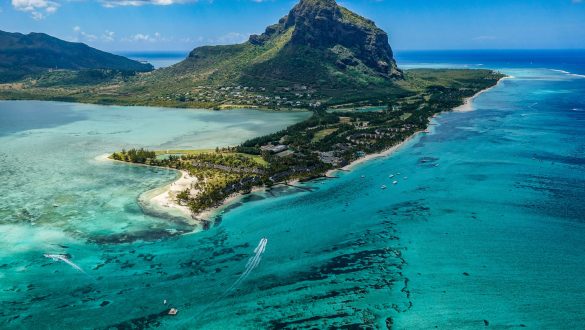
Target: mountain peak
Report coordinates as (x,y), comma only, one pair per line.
(323,24)
(318,3)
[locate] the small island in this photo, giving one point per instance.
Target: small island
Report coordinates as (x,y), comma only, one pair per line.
(330,139)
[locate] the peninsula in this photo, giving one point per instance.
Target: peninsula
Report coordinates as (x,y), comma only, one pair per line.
(330,139)
(320,57)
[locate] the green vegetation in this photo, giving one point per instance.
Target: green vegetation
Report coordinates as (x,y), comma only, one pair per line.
(319,135)
(223,151)
(135,156)
(325,141)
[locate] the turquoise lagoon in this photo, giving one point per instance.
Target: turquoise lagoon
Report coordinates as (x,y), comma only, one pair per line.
(486,225)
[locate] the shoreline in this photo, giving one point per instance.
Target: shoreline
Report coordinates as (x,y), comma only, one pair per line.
(468,102)
(369,157)
(208,214)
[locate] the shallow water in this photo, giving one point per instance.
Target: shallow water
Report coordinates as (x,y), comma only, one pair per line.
(486,224)
(54,175)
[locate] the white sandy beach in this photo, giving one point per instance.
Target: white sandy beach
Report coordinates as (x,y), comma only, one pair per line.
(166,198)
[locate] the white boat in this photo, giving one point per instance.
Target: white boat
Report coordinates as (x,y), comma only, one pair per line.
(383,187)
(395,182)
(391,175)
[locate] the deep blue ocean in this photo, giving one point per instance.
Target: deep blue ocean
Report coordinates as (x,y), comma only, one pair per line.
(157,59)
(486,226)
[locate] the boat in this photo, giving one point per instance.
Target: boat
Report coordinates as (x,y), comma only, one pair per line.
(391,175)
(395,182)
(383,187)
(173,311)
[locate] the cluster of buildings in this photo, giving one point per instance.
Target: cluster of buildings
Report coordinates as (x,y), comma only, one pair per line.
(293,97)
(280,150)
(227,168)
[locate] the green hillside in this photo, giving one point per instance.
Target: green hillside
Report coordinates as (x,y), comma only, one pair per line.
(36,53)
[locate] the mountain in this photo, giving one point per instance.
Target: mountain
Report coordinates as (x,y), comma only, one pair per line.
(22,55)
(319,44)
(347,38)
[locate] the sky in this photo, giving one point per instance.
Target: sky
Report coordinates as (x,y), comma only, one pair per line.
(181,25)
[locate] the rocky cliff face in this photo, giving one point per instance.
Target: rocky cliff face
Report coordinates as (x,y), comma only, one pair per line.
(352,39)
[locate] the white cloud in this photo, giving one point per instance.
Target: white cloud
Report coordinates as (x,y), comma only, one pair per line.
(485,38)
(108,36)
(37,8)
(144,37)
(81,35)
(141,37)
(137,3)
(231,38)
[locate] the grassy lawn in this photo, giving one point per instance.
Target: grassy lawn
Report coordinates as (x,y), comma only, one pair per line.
(258,159)
(405,116)
(323,133)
